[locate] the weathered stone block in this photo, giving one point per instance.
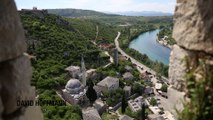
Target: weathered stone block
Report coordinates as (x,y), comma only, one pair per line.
(12,40)
(177,66)
(32,113)
(193,26)
(175,99)
(15,77)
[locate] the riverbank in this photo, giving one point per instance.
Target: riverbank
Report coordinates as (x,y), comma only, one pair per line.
(163,42)
(164,37)
(146,50)
(138,62)
(129,36)
(139,33)
(146,44)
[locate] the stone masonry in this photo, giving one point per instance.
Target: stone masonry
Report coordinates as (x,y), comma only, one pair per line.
(193,31)
(15,67)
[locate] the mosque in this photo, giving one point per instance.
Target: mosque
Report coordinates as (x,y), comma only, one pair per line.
(75,89)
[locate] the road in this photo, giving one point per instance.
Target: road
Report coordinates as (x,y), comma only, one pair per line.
(134,61)
(174,97)
(111,59)
(174,101)
(106,52)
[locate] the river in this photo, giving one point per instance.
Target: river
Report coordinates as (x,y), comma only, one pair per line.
(146,43)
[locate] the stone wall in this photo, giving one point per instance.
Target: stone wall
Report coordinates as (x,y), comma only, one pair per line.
(15,67)
(193,31)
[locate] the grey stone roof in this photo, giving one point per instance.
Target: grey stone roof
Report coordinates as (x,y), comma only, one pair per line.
(73,86)
(148,90)
(127,88)
(128,68)
(155,117)
(72,68)
(125,117)
(108,81)
(90,114)
(128,75)
(97,89)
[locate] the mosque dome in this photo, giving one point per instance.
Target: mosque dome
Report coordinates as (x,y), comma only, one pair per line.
(74,86)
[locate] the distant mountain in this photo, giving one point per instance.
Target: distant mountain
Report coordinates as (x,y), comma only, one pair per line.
(144,13)
(77,12)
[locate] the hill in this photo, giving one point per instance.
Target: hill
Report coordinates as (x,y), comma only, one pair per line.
(144,13)
(77,13)
(113,19)
(58,43)
(126,21)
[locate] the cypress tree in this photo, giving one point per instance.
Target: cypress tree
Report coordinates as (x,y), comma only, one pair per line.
(124,105)
(91,93)
(143,111)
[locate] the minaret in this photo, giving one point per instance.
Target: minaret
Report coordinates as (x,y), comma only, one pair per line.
(83,71)
(116,56)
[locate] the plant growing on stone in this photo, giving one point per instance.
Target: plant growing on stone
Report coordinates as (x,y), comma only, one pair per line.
(199,81)
(164,88)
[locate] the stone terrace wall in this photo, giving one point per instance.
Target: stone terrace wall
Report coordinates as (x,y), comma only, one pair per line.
(193,31)
(15,67)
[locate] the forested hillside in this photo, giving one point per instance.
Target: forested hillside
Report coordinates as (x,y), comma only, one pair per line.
(131,20)
(76,12)
(106,33)
(57,43)
(111,19)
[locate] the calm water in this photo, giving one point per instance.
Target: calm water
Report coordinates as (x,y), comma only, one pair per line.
(146,44)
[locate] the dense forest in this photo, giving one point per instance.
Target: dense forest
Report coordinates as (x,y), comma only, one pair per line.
(131,20)
(77,12)
(56,44)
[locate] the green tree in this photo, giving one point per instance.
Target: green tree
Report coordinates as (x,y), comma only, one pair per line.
(164,88)
(109,101)
(158,76)
(124,104)
(143,112)
(153,101)
(91,93)
(138,88)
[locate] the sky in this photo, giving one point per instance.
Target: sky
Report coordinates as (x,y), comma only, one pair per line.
(101,5)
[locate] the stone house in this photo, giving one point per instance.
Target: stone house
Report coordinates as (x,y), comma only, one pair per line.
(128,76)
(90,114)
(73,71)
(108,84)
(127,90)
